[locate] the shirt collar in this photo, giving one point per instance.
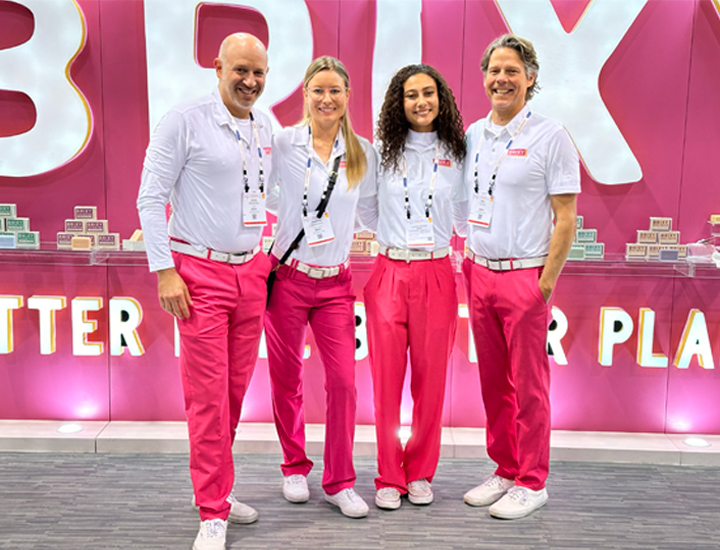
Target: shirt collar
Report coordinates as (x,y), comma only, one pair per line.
(300,137)
(512,126)
(221,113)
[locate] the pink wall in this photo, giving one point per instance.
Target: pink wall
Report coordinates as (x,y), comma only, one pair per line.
(657,85)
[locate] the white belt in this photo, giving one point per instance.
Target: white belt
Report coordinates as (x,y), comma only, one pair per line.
(412,255)
(318,272)
(210,254)
(506,265)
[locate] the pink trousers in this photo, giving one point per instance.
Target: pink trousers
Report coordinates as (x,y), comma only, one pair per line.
(509,318)
(218,349)
(328,306)
(409,305)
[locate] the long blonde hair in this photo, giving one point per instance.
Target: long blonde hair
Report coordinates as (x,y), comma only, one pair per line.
(355,163)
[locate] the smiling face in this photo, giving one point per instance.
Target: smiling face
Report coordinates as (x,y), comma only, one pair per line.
(421,102)
(241,69)
(506,84)
(326,98)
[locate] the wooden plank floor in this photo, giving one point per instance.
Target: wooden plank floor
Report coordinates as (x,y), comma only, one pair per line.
(122,501)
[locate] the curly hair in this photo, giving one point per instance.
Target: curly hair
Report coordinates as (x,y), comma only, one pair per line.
(393,126)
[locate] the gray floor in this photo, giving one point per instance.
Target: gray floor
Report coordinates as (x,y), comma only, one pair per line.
(96,501)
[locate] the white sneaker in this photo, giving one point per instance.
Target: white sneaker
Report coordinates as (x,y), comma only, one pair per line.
(295,488)
(239,512)
(211,535)
(518,503)
(420,492)
(387,498)
(349,502)
(490,490)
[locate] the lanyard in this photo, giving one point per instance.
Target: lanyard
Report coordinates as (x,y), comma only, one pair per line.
(307,171)
(256,135)
(428,204)
(502,157)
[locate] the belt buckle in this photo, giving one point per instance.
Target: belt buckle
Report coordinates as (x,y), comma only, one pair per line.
(223,257)
(316,273)
(495,265)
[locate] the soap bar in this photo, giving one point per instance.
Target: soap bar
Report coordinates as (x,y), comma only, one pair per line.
(647,237)
(28,239)
(74,226)
(660,224)
(586,235)
(577,252)
(633,250)
(96,226)
(8,210)
(669,237)
(81,243)
(17,224)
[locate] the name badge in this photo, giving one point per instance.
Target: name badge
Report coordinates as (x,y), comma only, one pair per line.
(254,209)
(420,233)
(318,231)
(481,208)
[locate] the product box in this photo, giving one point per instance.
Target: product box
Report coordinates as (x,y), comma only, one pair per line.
(586,235)
(647,237)
(579,222)
(2,225)
(17,224)
(267,243)
(634,250)
(85,212)
(8,240)
(669,237)
(128,245)
(364,236)
(714,218)
(594,250)
(660,224)
(681,248)
(357,247)
(653,250)
(96,226)
(8,210)
(28,239)
(577,252)
(64,240)
(108,241)
(74,226)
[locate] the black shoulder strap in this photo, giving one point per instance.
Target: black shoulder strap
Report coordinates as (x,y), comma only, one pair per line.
(320,211)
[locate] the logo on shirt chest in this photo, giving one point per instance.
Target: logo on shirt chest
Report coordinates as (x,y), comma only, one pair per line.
(517,152)
(267,150)
(342,164)
(445,162)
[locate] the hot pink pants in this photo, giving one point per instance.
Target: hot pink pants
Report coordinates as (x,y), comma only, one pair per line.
(218,349)
(409,305)
(328,305)
(509,318)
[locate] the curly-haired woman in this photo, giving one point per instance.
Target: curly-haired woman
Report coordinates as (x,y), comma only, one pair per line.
(410,298)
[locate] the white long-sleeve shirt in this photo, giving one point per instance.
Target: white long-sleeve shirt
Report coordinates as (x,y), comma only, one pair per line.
(291,151)
(194,162)
(420,152)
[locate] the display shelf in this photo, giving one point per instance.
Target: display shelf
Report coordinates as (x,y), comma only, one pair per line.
(613,264)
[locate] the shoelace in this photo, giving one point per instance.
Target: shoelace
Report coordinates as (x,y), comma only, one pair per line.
(351,494)
(295,479)
(493,481)
(518,494)
(388,492)
(421,485)
(214,528)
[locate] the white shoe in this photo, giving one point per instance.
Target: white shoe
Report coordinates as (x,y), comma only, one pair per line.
(211,535)
(420,492)
(490,490)
(349,502)
(295,488)
(239,512)
(387,498)
(518,503)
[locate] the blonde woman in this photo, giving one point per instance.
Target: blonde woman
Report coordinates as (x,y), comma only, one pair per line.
(319,158)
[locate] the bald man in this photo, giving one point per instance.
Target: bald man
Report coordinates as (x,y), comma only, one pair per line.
(209,159)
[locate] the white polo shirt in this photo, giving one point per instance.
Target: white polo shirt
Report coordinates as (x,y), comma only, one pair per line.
(541,161)
(194,162)
(290,148)
(420,152)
